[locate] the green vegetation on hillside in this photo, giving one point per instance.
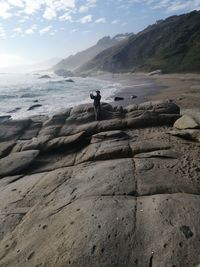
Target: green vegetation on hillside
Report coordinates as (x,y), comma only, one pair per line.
(172,45)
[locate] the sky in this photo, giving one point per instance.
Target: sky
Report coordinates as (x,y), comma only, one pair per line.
(36,30)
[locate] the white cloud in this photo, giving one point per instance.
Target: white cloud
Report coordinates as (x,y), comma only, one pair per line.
(49,8)
(31,30)
(17,3)
(92,2)
(74,30)
(66,17)
(176,7)
(64,10)
(60,5)
(115,22)
(53,7)
(23,19)
(85,32)
(32,6)
(187,5)
(5,10)
(86,19)
(45,30)
(49,13)
(171,6)
(2,33)
(17,30)
(100,20)
(89,4)
(83,9)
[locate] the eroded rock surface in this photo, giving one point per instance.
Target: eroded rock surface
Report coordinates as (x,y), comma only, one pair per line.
(186,122)
(124,191)
(17,162)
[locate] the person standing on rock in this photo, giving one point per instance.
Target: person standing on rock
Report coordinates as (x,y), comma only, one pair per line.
(97,105)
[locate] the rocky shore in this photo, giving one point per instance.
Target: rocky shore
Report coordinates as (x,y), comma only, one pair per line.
(123,191)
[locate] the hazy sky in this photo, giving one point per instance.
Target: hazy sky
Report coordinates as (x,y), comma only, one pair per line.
(35,30)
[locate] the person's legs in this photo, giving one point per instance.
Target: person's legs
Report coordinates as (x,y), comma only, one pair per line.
(97,111)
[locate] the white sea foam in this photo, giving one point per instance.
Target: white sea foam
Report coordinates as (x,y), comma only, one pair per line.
(18,92)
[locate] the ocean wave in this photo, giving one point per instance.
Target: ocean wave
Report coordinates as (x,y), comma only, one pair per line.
(59,81)
(30,95)
(2,97)
(54,95)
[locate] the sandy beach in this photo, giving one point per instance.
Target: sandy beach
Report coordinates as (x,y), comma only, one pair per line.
(184,89)
(139,85)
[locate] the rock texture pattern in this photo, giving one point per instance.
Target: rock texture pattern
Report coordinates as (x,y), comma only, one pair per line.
(119,192)
(187,122)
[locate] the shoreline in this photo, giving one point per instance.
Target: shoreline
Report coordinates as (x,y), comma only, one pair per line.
(138,84)
(182,88)
(21,97)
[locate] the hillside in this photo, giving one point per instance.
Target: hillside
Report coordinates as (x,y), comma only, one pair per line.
(75,61)
(172,45)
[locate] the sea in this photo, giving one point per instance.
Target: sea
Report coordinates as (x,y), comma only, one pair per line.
(18,92)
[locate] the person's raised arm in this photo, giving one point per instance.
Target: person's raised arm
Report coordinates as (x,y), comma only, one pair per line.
(93,96)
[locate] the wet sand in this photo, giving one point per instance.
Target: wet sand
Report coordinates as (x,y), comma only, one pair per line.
(140,85)
(184,89)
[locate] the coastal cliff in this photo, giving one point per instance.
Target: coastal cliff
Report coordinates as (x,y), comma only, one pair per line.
(75,61)
(123,191)
(171,45)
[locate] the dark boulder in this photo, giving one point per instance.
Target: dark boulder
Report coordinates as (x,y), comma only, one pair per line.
(117,98)
(44,77)
(5,118)
(34,106)
(70,81)
(133,96)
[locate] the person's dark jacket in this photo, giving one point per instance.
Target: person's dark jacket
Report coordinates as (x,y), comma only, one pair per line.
(96,99)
